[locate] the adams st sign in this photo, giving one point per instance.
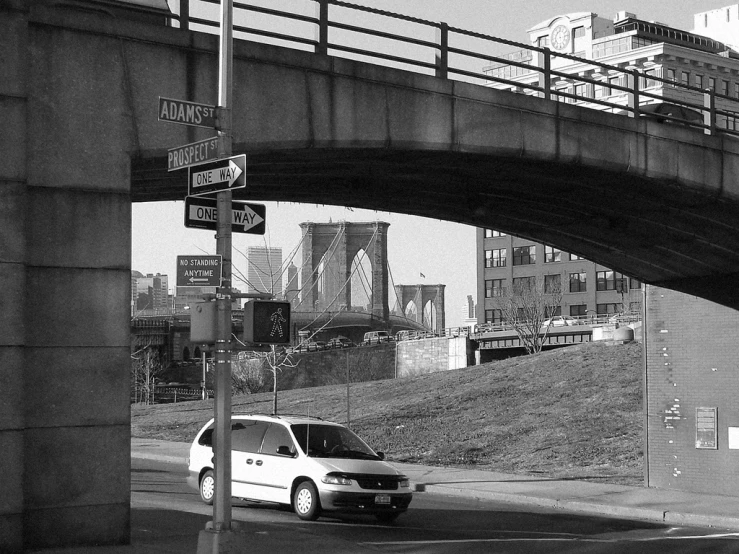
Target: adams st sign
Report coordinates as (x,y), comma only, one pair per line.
(188,113)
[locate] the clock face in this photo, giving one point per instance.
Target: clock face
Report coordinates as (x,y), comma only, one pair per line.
(560,37)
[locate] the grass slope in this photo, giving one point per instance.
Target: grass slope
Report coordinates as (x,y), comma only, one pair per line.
(574,412)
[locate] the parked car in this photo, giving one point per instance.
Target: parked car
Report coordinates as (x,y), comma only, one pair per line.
(560,321)
(376,337)
(340,342)
(311,465)
(315,346)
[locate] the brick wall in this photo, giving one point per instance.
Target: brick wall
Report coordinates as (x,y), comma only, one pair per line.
(692,361)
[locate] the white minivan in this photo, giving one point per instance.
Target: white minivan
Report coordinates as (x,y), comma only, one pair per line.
(309,464)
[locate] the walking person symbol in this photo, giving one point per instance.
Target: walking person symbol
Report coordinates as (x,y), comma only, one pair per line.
(277,321)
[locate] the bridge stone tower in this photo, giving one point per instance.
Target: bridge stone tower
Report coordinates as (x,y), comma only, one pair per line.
(421,294)
(340,243)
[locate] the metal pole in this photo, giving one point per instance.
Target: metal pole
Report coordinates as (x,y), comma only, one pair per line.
(222,515)
(348,418)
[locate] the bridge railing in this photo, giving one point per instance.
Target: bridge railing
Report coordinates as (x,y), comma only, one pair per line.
(446,53)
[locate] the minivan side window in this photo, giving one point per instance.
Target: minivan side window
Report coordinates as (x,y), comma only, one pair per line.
(277,441)
(246,436)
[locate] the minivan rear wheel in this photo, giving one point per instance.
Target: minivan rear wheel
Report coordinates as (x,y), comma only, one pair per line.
(306,502)
(207,487)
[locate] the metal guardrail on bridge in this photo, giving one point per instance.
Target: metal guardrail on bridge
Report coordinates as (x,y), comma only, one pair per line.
(445,57)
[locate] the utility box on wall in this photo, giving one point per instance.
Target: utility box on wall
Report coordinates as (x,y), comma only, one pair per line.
(203,323)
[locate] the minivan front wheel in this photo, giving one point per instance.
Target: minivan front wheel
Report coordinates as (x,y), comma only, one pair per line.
(306,501)
(207,487)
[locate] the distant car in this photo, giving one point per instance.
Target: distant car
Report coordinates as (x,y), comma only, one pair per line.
(307,464)
(376,337)
(340,342)
(315,346)
(559,321)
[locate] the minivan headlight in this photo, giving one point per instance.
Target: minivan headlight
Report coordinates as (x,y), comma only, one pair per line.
(336,479)
(404,483)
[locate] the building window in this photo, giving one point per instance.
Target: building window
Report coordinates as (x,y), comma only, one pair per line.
(575,257)
(552,284)
(611,280)
(724,87)
(523,284)
(488,233)
(552,254)
(578,282)
(579,310)
(608,309)
(495,258)
(736,90)
(493,316)
(494,287)
(634,283)
(712,83)
(492,233)
(543,41)
(648,79)
(699,81)
(671,75)
(524,255)
(551,311)
(685,78)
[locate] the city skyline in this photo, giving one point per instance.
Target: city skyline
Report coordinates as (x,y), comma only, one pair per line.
(420,250)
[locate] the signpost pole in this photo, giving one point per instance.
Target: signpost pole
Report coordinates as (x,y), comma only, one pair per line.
(222,513)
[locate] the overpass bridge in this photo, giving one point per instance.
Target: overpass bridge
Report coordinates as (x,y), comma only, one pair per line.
(81,141)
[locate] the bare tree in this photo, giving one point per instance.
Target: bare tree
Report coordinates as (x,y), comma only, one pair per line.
(248,372)
(527,305)
(146,366)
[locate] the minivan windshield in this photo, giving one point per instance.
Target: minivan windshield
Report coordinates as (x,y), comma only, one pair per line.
(331,441)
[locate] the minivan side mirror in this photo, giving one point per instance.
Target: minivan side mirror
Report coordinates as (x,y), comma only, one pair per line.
(381,455)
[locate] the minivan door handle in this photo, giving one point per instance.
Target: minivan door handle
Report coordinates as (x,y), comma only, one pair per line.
(259,462)
(249,461)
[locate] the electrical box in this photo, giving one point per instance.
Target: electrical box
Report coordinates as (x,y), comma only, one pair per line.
(203,323)
(267,322)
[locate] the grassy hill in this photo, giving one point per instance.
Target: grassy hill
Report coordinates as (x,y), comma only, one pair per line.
(574,412)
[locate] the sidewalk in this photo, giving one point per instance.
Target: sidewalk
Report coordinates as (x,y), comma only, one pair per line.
(658,505)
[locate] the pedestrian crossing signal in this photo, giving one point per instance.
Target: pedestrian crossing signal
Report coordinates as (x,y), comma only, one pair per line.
(267,322)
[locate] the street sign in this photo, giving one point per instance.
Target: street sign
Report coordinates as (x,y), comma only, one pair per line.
(202,213)
(267,322)
(187,113)
(226,174)
(199,271)
(192,154)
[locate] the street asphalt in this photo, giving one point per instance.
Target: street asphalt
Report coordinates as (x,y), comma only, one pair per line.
(170,534)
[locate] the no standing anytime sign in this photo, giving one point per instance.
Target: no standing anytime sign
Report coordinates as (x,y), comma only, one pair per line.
(199,271)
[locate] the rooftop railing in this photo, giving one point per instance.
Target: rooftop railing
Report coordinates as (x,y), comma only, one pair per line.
(448,52)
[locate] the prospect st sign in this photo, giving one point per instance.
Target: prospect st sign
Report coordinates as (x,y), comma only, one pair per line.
(199,271)
(202,213)
(221,175)
(192,154)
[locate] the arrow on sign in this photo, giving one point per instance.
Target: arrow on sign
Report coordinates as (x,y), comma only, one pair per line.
(194,280)
(215,176)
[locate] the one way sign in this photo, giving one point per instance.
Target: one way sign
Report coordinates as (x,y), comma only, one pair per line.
(225,174)
(202,213)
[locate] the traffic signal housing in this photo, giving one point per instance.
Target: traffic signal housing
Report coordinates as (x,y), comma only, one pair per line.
(267,322)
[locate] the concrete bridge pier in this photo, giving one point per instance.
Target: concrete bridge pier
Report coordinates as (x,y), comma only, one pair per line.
(65,248)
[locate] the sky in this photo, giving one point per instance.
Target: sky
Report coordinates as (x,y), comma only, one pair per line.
(420,250)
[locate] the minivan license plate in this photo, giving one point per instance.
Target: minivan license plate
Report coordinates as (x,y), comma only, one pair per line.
(382,499)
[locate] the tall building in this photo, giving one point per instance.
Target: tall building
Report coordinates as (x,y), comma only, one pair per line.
(705,58)
(588,289)
(264,270)
(149,292)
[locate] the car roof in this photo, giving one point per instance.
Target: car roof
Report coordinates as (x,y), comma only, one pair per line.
(290,419)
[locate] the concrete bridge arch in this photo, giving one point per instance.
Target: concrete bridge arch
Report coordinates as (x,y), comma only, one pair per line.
(81,141)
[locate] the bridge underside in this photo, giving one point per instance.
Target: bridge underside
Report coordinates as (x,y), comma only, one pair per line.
(675,236)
